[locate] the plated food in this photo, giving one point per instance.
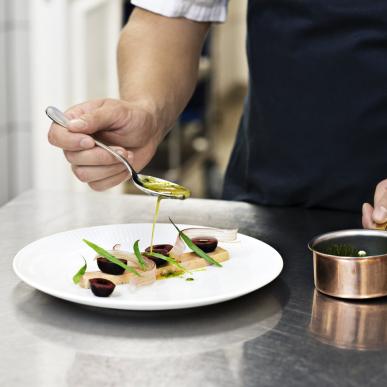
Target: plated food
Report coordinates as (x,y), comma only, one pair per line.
(161,261)
(48,265)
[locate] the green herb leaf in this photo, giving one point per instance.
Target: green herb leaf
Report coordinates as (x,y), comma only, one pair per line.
(198,251)
(103,253)
(168,259)
(138,254)
(80,272)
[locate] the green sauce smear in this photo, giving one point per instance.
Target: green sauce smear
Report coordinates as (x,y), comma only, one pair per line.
(171,274)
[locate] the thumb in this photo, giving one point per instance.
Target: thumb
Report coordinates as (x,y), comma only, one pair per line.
(379,214)
(102,118)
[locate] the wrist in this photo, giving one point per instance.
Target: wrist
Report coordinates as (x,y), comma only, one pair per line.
(162,118)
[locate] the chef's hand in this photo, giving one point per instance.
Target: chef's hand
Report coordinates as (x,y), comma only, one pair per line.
(158,61)
(377,214)
(130,128)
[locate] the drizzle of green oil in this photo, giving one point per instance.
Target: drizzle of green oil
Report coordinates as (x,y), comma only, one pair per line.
(163,187)
(154,222)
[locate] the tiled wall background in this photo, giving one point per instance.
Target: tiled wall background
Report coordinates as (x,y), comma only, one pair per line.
(15,114)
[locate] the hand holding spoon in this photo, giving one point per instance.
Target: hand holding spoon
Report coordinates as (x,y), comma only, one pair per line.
(148,184)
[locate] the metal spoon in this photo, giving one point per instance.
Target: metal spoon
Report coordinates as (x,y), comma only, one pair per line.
(166,187)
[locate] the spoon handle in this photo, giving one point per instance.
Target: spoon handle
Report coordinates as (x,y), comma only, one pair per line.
(58,117)
(118,157)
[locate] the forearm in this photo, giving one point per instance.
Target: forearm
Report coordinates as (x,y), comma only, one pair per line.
(158,62)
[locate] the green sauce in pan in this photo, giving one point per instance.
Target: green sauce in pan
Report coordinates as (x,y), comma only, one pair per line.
(342,250)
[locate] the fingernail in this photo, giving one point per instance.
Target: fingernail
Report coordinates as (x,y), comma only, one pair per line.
(86,143)
(380,214)
(78,124)
(121,152)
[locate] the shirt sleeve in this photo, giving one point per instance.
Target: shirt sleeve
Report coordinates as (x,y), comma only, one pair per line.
(198,10)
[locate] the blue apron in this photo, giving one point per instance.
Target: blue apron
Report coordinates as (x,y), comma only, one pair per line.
(314,128)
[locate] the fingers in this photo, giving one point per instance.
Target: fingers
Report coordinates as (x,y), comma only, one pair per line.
(82,108)
(367,220)
(85,118)
(108,115)
(102,185)
(113,122)
(96,156)
(117,122)
(91,174)
(63,138)
(98,167)
(379,214)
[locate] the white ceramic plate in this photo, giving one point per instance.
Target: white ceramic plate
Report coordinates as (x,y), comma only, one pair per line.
(49,264)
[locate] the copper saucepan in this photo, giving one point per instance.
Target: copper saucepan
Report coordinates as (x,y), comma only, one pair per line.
(351,277)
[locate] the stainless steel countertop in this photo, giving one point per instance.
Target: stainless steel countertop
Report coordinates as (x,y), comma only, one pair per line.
(285,334)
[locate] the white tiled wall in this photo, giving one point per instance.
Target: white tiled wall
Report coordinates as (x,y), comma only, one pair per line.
(15,115)
(73,51)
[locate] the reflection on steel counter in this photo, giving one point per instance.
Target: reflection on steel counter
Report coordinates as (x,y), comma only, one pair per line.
(359,325)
